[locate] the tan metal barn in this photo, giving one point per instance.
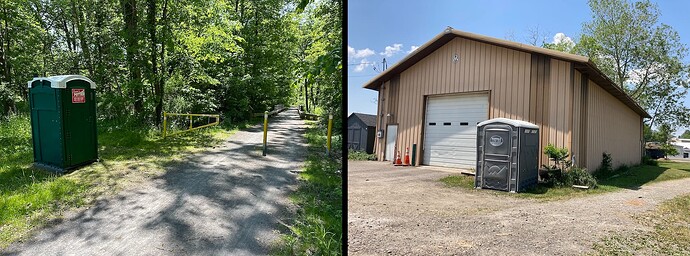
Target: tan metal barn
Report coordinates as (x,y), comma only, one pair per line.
(436,95)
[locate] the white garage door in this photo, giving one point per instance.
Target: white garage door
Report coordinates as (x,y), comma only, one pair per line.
(450,137)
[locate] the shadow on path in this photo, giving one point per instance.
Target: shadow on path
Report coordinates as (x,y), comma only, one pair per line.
(227,200)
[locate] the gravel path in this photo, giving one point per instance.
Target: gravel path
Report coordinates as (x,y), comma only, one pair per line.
(396,211)
(229,200)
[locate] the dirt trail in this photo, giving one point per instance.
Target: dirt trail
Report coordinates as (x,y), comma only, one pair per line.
(396,211)
(229,200)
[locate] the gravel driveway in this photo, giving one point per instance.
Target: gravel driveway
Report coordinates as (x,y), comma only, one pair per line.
(396,211)
(229,200)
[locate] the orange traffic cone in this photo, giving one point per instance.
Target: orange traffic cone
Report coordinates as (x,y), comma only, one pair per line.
(407,156)
(397,160)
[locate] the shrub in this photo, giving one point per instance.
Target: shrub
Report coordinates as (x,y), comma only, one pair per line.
(646,160)
(578,176)
(558,155)
(360,156)
(605,168)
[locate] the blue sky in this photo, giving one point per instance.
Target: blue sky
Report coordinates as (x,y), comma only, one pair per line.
(401,24)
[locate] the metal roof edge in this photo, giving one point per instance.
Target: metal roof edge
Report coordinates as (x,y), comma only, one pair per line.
(426,48)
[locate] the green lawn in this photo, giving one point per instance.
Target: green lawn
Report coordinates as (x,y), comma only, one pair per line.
(668,233)
(317,228)
(633,178)
(129,154)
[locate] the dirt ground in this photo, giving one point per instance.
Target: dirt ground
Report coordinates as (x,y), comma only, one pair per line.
(407,211)
(229,200)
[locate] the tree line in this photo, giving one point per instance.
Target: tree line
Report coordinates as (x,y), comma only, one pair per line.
(235,57)
(642,55)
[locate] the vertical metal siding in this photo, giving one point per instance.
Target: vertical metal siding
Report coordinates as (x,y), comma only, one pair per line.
(437,74)
(576,118)
(612,127)
(532,87)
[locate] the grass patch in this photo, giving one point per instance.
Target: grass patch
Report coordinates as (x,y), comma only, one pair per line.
(631,178)
(360,156)
(128,154)
(462,181)
(668,232)
(317,228)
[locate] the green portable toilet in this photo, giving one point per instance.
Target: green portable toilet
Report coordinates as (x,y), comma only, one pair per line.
(63,121)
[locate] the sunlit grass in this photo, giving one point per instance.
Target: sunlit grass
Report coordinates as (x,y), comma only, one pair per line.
(317,229)
(633,178)
(128,154)
(668,233)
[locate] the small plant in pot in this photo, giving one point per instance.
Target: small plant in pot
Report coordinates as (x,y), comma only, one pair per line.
(553,173)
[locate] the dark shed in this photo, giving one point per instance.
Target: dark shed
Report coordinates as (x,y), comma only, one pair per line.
(361,132)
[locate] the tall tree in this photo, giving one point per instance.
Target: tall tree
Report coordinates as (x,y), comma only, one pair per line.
(641,55)
(131,34)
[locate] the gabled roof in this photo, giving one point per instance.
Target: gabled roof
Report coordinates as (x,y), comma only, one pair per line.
(369,120)
(581,63)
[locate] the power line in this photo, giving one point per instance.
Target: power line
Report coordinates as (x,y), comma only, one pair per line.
(365,63)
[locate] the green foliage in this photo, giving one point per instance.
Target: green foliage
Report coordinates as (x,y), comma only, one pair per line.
(579,176)
(562,173)
(360,156)
(642,55)
(605,169)
(29,197)
(230,57)
(463,181)
(317,229)
(669,149)
(646,160)
(667,232)
(556,154)
(559,157)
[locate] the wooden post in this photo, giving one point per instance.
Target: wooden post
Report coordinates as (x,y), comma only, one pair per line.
(265,130)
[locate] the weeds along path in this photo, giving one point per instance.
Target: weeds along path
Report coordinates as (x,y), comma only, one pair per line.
(228,200)
(403,211)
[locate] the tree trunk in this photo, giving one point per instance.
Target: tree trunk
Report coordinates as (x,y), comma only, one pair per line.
(129,12)
(151,17)
(306,96)
(83,43)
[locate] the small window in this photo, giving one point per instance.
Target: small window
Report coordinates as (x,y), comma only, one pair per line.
(446,123)
(464,123)
(432,123)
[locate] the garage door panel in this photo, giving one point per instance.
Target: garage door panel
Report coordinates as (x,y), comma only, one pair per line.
(451,129)
(446,162)
(465,109)
(458,140)
(440,134)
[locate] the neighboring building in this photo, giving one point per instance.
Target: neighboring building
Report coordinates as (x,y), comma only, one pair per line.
(654,150)
(682,146)
(361,131)
(436,95)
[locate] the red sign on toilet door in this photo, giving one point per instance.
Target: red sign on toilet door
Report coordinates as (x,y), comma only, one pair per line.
(78,96)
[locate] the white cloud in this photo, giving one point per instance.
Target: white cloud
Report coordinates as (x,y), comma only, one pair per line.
(363,64)
(412,48)
(391,50)
(562,38)
(352,53)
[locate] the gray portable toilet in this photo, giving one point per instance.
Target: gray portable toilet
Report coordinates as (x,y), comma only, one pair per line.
(507,155)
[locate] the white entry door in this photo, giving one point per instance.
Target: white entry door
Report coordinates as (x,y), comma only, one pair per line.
(391,135)
(450,134)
